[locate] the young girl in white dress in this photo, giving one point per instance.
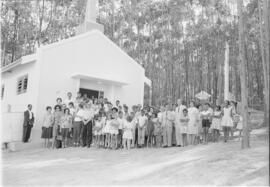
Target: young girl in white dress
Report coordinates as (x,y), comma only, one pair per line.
(98,130)
(114,131)
(127,135)
(216,123)
(106,131)
(226,121)
(193,114)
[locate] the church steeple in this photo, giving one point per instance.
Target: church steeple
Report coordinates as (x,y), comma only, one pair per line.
(90,18)
(91,11)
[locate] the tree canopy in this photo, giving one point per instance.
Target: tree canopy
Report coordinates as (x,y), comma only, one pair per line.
(179,43)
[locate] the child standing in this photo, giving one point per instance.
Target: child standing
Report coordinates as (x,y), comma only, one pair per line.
(216,123)
(72,113)
(47,126)
(127,135)
(106,131)
(120,128)
(184,126)
(66,123)
(114,131)
(157,131)
(98,130)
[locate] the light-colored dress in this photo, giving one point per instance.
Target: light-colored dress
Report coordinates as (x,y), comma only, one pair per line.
(184,124)
(127,126)
(114,127)
(98,128)
(103,119)
(216,122)
(193,114)
(107,127)
(227,119)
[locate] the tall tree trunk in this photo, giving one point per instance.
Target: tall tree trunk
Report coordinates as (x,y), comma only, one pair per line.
(186,73)
(220,79)
(245,139)
(265,72)
(266,15)
(15,34)
(40,23)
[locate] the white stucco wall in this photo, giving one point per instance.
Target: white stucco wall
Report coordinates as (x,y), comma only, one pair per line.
(90,54)
(9,79)
(12,122)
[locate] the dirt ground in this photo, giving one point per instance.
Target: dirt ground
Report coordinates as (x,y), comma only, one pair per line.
(212,164)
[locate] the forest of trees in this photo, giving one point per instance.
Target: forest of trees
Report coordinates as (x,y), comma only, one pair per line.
(180,43)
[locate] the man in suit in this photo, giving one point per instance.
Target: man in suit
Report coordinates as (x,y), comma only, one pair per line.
(28,123)
(167,120)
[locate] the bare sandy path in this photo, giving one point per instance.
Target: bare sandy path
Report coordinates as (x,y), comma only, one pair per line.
(212,164)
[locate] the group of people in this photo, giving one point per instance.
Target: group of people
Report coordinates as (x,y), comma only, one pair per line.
(86,122)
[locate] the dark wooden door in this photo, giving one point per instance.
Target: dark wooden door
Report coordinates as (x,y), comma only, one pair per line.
(90,93)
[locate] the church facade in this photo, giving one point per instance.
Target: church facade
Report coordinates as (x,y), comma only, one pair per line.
(89,62)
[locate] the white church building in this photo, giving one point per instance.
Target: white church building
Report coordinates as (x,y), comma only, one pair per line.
(88,62)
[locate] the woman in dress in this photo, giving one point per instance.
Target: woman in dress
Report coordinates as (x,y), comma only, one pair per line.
(47,126)
(216,123)
(57,121)
(193,114)
(226,121)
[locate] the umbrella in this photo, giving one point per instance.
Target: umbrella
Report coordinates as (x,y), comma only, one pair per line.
(202,95)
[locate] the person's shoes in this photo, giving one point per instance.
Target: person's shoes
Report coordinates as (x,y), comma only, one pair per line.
(88,146)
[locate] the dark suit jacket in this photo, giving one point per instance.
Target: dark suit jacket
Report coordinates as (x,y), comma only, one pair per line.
(26,120)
